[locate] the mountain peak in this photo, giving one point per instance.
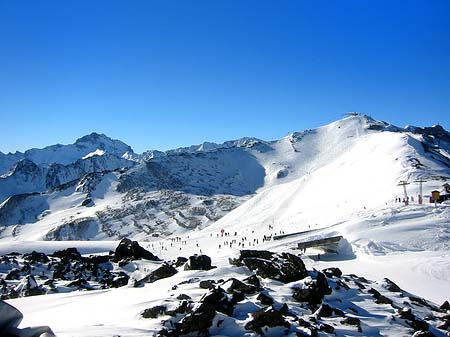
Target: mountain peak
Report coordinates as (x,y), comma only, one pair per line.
(93,137)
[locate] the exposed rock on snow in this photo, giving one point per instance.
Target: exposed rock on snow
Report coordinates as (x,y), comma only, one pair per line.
(131,250)
(10,319)
(284,267)
(198,262)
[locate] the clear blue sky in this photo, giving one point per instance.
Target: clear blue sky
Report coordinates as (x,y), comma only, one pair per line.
(163,74)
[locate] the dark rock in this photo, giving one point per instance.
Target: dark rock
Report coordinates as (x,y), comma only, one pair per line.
(154,312)
(314,290)
(69,254)
(14,274)
(284,309)
(180,261)
(379,299)
(98,259)
(201,318)
(342,284)
(237,297)
(34,257)
(324,311)
(164,271)
(265,299)
(443,325)
(29,287)
(326,328)
(131,250)
(11,318)
(267,317)
(351,321)
(421,301)
(183,297)
(260,254)
(419,325)
(332,272)
(49,282)
(120,280)
(184,308)
(445,306)
(219,300)
(87,202)
(198,321)
(80,284)
(207,284)
(253,280)
(406,313)
(391,286)
(241,286)
(284,267)
(416,323)
(198,262)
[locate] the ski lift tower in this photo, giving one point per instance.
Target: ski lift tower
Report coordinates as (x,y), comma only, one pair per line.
(404,183)
(420,181)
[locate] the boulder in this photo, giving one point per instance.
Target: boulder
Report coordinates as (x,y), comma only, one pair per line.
(183,297)
(131,250)
(166,270)
(80,284)
(267,318)
(284,267)
(237,285)
(29,287)
(206,284)
(445,306)
(391,286)
(352,321)
(119,280)
(379,299)
(332,272)
(184,308)
(201,318)
(314,290)
(254,281)
(198,262)
(180,261)
(10,318)
(34,257)
(265,299)
(154,312)
(324,311)
(69,254)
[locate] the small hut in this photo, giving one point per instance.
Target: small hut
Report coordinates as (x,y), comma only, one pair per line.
(435,195)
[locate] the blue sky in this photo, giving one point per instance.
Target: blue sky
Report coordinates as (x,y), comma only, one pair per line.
(164,74)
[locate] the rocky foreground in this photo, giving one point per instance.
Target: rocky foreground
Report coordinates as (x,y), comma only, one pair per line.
(274,295)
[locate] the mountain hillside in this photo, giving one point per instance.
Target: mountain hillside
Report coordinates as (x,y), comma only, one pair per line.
(347,166)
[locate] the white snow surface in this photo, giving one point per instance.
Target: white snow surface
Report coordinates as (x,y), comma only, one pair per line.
(97,152)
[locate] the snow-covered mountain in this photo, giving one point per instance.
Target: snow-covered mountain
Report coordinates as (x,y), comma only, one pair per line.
(339,180)
(66,154)
(348,165)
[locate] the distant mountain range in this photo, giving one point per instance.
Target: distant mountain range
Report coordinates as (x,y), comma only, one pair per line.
(98,188)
